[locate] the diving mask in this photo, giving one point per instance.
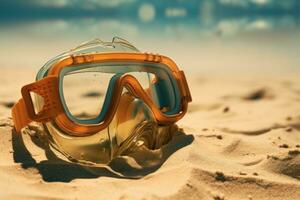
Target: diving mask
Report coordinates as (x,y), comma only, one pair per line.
(94,100)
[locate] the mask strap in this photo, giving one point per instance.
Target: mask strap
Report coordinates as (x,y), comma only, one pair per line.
(20,116)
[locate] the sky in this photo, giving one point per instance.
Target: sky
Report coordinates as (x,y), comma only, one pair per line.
(18,9)
(260,32)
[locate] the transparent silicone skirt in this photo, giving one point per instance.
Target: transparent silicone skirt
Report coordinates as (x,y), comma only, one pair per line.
(126,129)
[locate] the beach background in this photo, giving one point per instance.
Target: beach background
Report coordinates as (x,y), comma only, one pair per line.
(241,136)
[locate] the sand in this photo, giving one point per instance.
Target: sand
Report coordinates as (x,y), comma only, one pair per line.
(239,140)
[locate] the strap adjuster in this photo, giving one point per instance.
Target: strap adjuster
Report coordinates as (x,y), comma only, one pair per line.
(48,89)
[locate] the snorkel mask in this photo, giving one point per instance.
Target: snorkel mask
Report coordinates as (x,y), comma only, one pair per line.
(98,100)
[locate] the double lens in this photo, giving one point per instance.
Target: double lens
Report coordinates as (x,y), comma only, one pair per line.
(86,91)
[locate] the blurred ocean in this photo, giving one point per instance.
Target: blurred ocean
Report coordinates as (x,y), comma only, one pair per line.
(202,36)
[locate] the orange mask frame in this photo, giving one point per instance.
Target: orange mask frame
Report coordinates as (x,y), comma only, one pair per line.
(23,111)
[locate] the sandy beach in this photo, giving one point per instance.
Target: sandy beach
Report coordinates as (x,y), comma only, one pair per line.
(239,140)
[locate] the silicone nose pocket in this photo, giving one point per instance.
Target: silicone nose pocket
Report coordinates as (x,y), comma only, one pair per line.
(130,113)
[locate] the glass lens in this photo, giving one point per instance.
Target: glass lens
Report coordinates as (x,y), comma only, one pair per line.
(87,90)
(84,92)
(159,87)
(163,92)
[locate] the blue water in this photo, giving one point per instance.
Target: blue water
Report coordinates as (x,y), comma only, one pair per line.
(201,36)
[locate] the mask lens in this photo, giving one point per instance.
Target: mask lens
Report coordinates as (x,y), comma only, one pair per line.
(87,90)
(142,77)
(159,86)
(84,92)
(162,91)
